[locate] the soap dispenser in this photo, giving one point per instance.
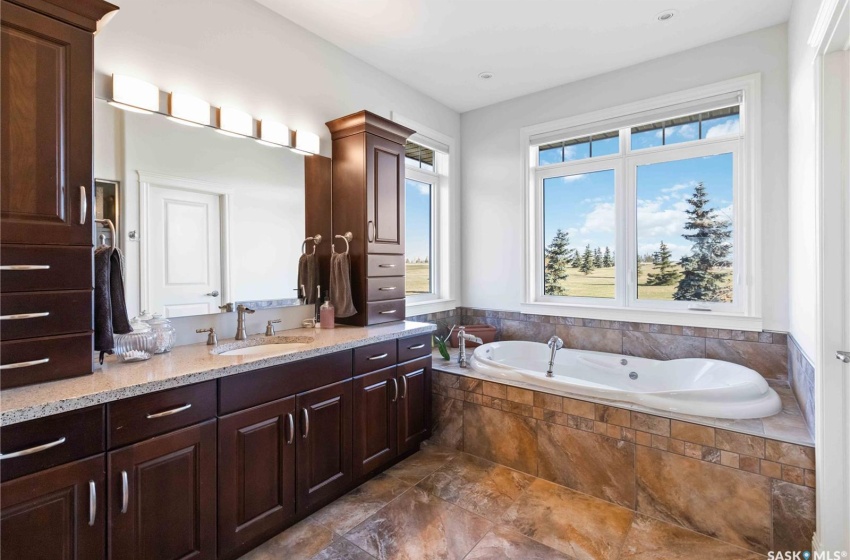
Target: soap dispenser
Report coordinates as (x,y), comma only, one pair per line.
(326,314)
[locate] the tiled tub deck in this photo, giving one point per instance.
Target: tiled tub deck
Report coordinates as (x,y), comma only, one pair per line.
(725,480)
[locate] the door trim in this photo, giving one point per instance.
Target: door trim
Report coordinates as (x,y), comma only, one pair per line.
(147,180)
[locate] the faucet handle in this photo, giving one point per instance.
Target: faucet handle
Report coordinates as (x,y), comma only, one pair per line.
(212,339)
(270,327)
(227,307)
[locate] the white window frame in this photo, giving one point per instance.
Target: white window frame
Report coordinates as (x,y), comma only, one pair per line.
(745,311)
(431,178)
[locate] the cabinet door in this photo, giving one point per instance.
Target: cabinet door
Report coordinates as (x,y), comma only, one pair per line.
(324,444)
(256,473)
(162,500)
(55,514)
(46,122)
(414,403)
(384,196)
(375,437)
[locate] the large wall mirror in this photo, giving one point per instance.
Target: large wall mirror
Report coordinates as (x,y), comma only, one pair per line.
(202,219)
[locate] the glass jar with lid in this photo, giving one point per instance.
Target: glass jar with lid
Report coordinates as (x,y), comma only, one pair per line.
(137,345)
(165,335)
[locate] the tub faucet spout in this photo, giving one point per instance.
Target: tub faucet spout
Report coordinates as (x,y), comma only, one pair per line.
(555,344)
(462,337)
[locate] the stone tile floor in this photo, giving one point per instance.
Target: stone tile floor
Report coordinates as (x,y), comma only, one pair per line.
(441,504)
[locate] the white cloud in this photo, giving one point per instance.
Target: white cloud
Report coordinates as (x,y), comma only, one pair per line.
(423,188)
(679,187)
(688,131)
(723,129)
(601,219)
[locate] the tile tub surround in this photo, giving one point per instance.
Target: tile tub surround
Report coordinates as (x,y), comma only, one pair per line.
(801,376)
(184,365)
(452,505)
(746,490)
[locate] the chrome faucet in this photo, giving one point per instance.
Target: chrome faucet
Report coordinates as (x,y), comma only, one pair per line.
(555,344)
(462,337)
(241,310)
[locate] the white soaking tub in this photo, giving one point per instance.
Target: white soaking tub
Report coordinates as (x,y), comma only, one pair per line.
(694,386)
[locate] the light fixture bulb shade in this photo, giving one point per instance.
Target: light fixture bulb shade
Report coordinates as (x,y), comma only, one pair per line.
(188,108)
(235,121)
(134,93)
(274,132)
(307,142)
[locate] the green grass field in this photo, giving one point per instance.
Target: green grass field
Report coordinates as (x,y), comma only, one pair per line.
(417,278)
(600,284)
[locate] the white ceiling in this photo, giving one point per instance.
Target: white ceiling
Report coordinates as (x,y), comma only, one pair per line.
(440,46)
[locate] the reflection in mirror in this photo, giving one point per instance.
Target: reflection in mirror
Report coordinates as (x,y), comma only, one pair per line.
(205,219)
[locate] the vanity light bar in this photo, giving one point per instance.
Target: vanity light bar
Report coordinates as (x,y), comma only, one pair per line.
(233,122)
(273,133)
(132,94)
(306,142)
(188,110)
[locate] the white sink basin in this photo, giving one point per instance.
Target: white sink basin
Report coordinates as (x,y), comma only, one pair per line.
(264,349)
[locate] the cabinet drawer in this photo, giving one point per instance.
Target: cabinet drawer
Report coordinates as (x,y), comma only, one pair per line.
(385,311)
(61,438)
(24,315)
(31,268)
(383,288)
(139,418)
(414,347)
(384,265)
(374,357)
(36,360)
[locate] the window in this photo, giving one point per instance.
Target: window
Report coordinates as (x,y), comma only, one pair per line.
(420,192)
(650,212)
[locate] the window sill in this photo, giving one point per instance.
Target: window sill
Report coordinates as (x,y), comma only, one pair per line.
(430,306)
(711,319)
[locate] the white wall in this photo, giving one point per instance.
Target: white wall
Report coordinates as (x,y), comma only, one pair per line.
(492,171)
(802,173)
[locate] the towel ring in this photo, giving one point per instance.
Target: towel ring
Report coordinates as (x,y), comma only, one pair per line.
(347,238)
(316,239)
(111,226)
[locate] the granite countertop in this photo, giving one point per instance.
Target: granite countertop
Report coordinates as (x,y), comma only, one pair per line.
(183,366)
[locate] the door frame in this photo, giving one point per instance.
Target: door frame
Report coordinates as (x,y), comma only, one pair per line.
(148,180)
(830,37)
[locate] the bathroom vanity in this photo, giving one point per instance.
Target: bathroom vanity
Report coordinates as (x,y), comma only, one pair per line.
(205,455)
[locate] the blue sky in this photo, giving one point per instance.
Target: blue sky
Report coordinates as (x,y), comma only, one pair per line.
(418,220)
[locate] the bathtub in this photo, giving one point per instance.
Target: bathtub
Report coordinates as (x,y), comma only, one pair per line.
(697,387)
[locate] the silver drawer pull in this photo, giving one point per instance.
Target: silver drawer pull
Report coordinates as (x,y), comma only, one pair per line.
(379,356)
(31,450)
(125,492)
(306,415)
(390,312)
(291,421)
(84,206)
(404,386)
(386,266)
(19,316)
(387,289)
(25,364)
(416,347)
(25,267)
(170,412)
(395,389)
(92,502)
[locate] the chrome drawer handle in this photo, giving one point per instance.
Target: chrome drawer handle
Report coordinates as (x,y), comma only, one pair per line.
(395,389)
(370,232)
(417,347)
(25,267)
(386,266)
(379,356)
(404,386)
(31,450)
(387,289)
(125,492)
(20,316)
(306,415)
(84,206)
(25,364)
(170,412)
(390,312)
(291,422)
(92,502)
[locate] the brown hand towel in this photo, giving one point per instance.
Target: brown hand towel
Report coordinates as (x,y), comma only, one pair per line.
(308,276)
(110,308)
(341,285)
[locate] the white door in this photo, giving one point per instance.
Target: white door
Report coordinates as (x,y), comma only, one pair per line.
(184,253)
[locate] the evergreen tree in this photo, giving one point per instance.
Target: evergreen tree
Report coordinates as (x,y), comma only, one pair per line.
(587,265)
(703,277)
(577,258)
(597,258)
(666,275)
(557,260)
(607,258)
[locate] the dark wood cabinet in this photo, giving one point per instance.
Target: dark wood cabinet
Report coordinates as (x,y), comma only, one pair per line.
(162,496)
(57,513)
(375,439)
(414,403)
(323,450)
(256,474)
(368,201)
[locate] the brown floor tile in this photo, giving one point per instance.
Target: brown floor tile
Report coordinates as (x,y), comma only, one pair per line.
(342,549)
(583,527)
(793,516)
(421,464)
(501,437)
(349,511)
(504,544)
(419,525)
(650,539)
(300,542)
(477,485)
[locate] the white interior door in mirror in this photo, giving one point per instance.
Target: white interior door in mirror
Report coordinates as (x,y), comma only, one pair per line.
(184,257)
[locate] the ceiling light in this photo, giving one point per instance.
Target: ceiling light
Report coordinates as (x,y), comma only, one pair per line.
(486,75)
(273,133)
(233,122)
(188,110)
(666,15)
(306,143)
(132,94)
